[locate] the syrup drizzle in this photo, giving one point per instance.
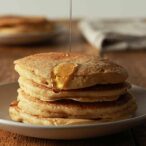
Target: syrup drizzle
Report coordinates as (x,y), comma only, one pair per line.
(61,76)
(70,27)
(53,83)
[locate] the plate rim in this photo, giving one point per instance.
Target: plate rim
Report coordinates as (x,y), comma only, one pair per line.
(25,125)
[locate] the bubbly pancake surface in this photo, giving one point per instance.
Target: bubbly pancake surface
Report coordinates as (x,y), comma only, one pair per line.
(89,70)
(90,94)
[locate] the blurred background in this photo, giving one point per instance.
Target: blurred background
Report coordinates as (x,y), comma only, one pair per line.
(82,8)
(24,36)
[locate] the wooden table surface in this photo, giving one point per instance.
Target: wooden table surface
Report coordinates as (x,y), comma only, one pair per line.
(133,61)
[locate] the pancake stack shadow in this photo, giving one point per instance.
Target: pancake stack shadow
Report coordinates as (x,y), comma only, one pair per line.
(70,89)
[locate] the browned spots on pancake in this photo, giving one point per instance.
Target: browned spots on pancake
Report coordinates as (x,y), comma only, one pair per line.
(13,103)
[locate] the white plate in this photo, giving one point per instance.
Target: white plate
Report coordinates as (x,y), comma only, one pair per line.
(8,93)
(30,37)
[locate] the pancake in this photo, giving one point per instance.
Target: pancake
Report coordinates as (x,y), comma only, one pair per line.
(69,71)
(123,107)
(90,94)
(18,115)
(21,24)
(27,29)
(11,20)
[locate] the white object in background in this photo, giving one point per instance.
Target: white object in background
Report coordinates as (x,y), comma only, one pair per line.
(115,34)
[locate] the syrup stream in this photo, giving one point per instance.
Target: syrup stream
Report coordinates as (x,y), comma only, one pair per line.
(70,29)
(54,86)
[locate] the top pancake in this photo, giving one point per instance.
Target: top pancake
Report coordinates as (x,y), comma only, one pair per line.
(69,71)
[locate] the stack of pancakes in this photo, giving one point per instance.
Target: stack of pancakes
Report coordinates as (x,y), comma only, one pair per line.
(23,24)
(61,89)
